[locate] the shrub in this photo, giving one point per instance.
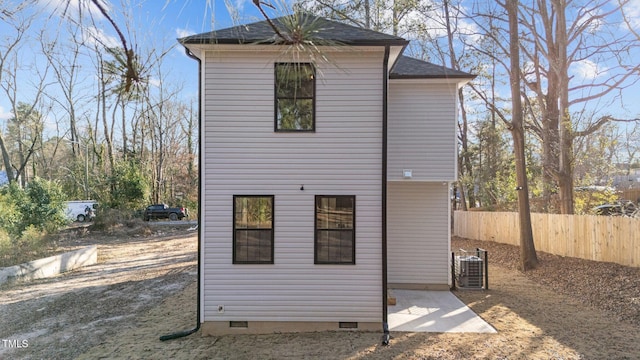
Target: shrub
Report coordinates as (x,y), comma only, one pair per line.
(33,240)
(10,216)
(588,199)
(120,222)
(6,246)
(31,245)
(40,204)
(129,186)
(109,219)
(45,206)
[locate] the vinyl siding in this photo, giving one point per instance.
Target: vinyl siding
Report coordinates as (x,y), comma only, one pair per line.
(243,155)
(418,235)
(422,130)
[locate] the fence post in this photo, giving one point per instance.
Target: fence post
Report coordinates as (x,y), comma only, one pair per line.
(486,265)
(486,270)
(453,270)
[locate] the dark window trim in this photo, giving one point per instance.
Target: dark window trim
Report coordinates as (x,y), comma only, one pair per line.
(233,219)
(315,231)
(275,98)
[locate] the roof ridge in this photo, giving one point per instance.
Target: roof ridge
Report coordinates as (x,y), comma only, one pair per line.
(262,32)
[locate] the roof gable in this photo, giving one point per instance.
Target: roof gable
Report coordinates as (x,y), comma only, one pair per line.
(410,68)
(328,30)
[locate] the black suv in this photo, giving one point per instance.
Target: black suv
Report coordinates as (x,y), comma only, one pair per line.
(163,211)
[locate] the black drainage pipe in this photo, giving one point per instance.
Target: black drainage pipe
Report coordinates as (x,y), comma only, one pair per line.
(184,333)
(386,336)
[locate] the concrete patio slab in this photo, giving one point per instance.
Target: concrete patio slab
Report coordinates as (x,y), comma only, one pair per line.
(433,311)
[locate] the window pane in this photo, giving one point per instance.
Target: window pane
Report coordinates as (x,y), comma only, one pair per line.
(253,229)
(295,114)
(334,246)
(241,246)
(253,246)
(322,246)
(335,234)
(335,213)
(253,213)
(240,213)
(322,213)
(294,80)
(295,91)
(265,245)
(346,244)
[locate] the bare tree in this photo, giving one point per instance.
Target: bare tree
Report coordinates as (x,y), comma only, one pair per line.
(64,60)
(553,44)
(507,43)
(559,39)
(630,19)
(528,257)
(437,31)
(380,15)
(630,145)
(12,15)
(23,109)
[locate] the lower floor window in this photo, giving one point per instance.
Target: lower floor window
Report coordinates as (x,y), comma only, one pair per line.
(335,237)
(253,229)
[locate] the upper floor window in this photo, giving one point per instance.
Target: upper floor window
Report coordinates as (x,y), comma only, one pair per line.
(335,240)
(253,229)
(295,90)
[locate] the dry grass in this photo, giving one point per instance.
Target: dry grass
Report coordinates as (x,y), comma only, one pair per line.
(559,311)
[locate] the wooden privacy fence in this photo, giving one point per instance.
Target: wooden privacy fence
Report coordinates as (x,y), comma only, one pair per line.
(601,238)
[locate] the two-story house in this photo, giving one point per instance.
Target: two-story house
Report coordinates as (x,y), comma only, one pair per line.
(325,177)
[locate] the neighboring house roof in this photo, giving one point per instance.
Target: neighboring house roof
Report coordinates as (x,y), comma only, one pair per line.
(331,31)
(324,29)
(410,68)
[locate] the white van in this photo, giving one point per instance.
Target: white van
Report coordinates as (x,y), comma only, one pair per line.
(81,210)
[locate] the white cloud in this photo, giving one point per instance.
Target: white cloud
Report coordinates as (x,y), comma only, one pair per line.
(155,82)
(5,115)
(594,17)
(183,32)
(632,13)
(239,4)
(93,36)
(74,8)
(587,69)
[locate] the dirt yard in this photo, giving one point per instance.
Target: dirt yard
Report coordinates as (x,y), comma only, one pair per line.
(144,287)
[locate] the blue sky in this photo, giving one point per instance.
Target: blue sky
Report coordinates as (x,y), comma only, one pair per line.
(157,24)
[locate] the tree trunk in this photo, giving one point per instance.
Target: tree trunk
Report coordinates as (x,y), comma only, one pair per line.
(6,159)
(565,176)
(105,124)
(528,257)
(367,14)
(124,129)
(465,165)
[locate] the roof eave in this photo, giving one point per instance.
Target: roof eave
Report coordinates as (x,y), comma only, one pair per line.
(187,41)
(461,76)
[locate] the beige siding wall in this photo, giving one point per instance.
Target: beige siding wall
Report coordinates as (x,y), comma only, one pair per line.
(422,130)
(418,233)
(243,155)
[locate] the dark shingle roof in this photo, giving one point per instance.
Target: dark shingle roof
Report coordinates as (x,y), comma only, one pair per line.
(410,68)
(326,30)
(261,32)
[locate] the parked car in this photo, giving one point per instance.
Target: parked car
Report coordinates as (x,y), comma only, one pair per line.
(163,211)
(618,208)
